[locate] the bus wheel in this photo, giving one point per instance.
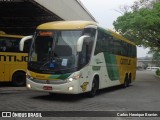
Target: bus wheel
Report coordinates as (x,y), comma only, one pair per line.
(51,94)
(95,86)
(126,82)
(19,79)
(130,78)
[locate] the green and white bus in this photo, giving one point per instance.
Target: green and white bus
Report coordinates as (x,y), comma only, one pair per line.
(74,57)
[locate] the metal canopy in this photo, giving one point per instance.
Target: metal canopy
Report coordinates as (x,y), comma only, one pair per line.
(23,16)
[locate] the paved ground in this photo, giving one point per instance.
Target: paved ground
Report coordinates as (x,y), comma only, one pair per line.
(142,95)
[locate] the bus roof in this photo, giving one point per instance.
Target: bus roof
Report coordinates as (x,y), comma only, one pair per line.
(120,37)
(3,34)
(65,25)
(116,35)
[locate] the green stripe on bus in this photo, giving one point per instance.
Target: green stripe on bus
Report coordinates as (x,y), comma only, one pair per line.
(112,66)
(62,77)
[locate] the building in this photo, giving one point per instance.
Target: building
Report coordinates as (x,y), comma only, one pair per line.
(22,16)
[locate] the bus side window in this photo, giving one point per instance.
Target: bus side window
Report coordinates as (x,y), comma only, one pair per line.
(10,45)
(101,43)
(104,42)
(98,44)
(2,46)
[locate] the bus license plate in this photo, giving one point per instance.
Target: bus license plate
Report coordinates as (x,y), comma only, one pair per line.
(47,87)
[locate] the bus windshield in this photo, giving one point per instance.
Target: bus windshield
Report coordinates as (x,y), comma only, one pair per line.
(54,51)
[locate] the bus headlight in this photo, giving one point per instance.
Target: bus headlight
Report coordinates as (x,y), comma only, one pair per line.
(70,79)
(28,86)
(73,78)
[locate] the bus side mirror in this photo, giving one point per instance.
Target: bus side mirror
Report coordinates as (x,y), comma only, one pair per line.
(21,44)
(80,42)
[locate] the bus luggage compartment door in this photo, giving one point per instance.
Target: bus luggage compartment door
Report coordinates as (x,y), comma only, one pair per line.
(1,72)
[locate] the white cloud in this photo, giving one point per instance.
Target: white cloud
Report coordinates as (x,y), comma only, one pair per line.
(104,11)
(142,52)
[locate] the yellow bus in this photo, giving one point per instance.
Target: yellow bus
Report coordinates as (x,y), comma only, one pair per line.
(74,57)
(13,62)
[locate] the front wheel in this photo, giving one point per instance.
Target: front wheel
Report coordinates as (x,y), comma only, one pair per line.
(95,86)
(19,79)
(51,94)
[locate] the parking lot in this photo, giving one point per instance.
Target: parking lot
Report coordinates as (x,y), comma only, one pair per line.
(142,95)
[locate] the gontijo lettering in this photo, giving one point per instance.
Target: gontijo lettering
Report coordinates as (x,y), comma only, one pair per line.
(13,58)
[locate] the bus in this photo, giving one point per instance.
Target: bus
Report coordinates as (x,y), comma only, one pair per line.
(152,68)
(13,62)
(73,57)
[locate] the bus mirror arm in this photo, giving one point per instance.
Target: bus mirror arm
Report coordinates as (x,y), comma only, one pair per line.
(21,44)
(80,42)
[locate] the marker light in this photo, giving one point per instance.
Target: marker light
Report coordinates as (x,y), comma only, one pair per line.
(74,77)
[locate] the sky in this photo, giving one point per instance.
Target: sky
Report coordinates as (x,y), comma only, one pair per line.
(105,13)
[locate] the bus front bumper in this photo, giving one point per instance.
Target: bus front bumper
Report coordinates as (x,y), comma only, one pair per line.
(66,88)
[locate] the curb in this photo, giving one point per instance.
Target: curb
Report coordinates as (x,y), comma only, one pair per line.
(157,76)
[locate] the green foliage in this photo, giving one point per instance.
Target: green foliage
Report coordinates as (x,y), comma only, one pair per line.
(141,26)
(156,57)
(158,72)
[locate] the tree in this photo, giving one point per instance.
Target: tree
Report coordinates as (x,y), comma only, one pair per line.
(141,25)
(143,4)
(156,57)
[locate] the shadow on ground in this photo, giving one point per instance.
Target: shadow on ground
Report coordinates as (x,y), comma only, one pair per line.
(6,84)
(71,98)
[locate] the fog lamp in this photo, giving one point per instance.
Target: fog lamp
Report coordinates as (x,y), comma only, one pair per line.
(70,88)
(28,86)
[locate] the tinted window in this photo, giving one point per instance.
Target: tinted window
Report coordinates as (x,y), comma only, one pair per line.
(9,44)
(103,42)
(112,45)
(12,45)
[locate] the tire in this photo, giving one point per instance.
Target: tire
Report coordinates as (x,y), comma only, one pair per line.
(19,79)
(51,94)
(95,87)
(130,79)
(126,82)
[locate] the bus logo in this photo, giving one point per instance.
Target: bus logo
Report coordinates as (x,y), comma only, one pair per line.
(6,114)
(84,86)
